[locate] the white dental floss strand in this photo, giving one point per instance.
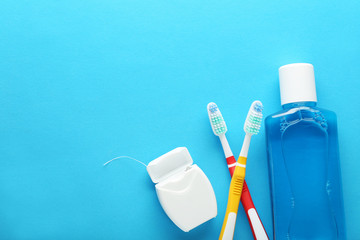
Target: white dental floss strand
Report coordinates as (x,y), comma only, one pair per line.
(121,157)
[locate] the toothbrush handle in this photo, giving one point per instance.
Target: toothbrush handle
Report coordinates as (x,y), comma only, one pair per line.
(256,225)
(228,227)
(231,162)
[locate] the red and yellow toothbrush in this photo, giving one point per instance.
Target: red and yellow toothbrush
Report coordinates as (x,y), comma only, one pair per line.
(238,188)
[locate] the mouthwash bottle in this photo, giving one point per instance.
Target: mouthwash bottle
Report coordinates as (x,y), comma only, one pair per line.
(303,157)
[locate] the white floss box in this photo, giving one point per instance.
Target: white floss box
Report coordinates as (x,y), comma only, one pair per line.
(184,191)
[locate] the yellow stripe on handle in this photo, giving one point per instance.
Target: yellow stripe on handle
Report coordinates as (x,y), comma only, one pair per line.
(242,160)
(236,185)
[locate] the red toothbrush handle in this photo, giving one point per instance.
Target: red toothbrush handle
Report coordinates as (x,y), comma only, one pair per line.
(231,162)
(247,202)
(246,199)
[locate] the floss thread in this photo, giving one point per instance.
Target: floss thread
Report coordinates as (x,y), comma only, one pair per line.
(121,157)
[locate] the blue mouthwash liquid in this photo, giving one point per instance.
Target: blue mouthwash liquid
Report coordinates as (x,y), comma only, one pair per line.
(303,161)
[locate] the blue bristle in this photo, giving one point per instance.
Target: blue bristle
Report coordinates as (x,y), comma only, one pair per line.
(258,107)
(213,108)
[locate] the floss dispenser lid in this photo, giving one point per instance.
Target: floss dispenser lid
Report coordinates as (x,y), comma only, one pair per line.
(169,164)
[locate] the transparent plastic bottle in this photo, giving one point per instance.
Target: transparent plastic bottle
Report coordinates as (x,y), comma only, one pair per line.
(303,159)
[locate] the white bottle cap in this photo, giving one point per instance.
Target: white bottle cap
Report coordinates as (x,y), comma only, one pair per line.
(297,83)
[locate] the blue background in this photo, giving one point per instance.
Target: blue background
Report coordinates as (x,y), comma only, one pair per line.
(82,82)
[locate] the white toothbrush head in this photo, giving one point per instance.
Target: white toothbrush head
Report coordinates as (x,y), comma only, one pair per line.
(216,119)
(253,119)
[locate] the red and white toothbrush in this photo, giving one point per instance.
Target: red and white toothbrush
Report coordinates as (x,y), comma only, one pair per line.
(219,128)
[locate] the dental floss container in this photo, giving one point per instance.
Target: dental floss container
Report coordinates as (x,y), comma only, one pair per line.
(184,191)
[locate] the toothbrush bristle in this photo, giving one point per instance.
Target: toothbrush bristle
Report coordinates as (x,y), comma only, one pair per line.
(216,119)
(258,107)
(254,117)
(213,108)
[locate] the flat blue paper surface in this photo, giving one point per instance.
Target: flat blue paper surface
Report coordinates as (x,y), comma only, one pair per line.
(82,82)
